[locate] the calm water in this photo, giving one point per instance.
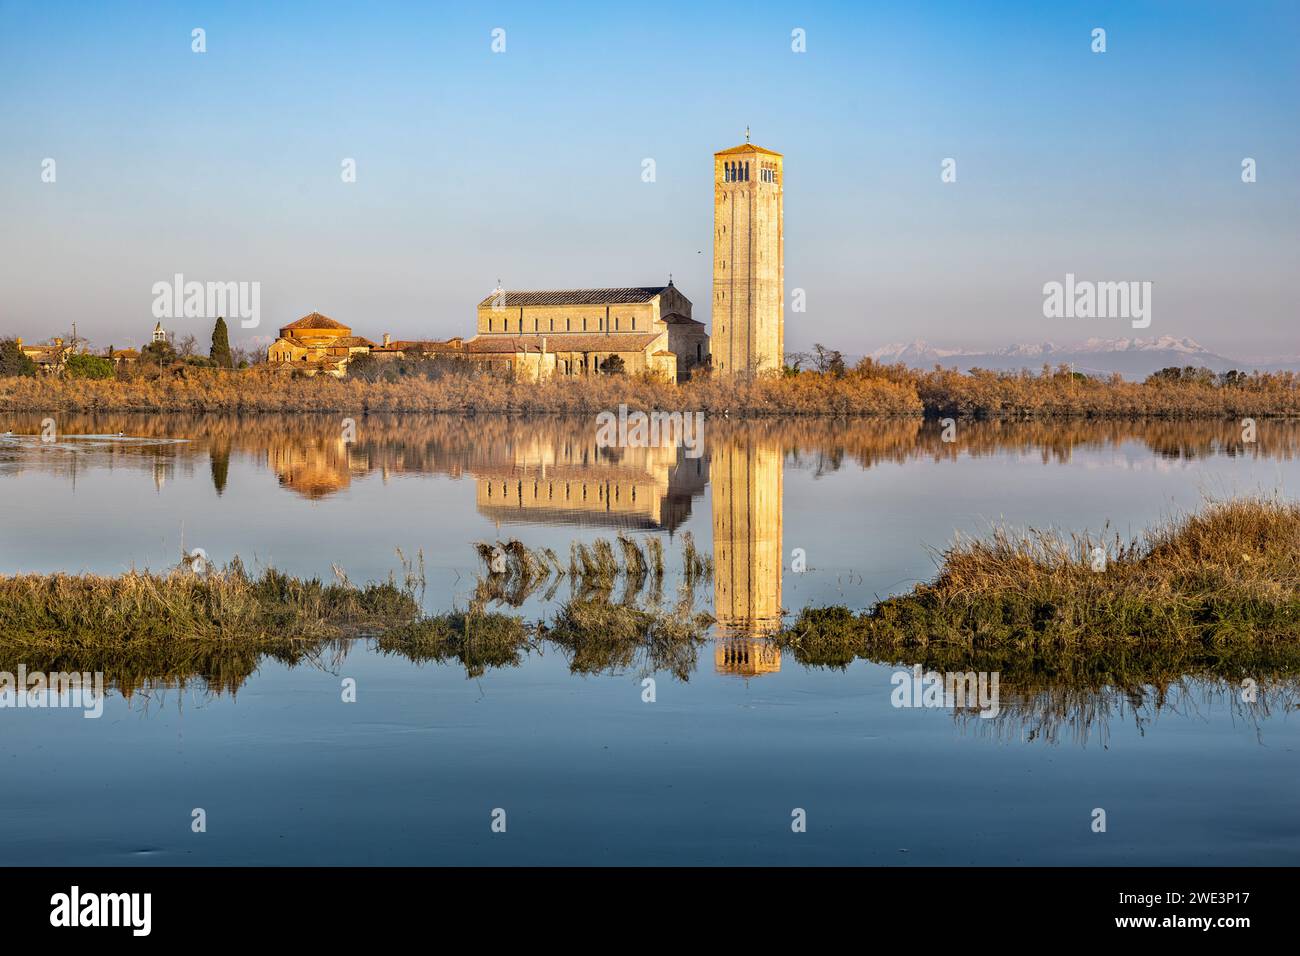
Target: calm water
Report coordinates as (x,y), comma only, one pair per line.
(586,771)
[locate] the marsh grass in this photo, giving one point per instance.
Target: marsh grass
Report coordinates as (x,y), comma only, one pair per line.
(142,627)
(601,636)
(513,572)
(225,605)
(597,632)
(868,389)
(1224,578)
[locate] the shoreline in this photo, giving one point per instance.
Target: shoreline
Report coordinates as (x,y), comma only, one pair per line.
(877,393)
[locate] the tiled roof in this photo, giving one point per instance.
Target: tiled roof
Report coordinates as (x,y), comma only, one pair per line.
(352,340)
(746,148)
(422,345)
(559,342)
(574,297)
(330,361)
(314,321)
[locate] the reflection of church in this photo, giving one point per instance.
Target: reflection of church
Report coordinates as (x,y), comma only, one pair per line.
(576,482)
(314,467)
(746,482)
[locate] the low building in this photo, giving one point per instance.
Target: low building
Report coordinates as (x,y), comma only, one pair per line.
(577,331)
(314,344)
(417,348)
(50,359)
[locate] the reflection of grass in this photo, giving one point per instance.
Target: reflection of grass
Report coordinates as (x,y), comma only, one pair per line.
(478,640)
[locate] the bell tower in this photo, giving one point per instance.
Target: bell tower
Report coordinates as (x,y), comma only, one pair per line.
(748,260)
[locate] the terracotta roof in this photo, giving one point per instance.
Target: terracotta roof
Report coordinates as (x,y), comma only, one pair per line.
(514,299)
(314,321)
(331,361)
(353,340)
(422,345)
(559,342)
(746,148)
(665,352)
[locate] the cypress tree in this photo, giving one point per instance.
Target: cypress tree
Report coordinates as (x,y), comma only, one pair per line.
(221,345)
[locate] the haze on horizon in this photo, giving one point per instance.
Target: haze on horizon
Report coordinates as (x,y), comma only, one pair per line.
(526,166)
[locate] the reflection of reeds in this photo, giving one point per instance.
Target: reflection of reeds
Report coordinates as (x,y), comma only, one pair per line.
(1048,691)
(478,640)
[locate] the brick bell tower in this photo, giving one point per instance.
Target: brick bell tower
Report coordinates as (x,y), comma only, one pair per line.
(748,260)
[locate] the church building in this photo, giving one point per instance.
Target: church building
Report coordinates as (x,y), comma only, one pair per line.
(314,344)
(591,332)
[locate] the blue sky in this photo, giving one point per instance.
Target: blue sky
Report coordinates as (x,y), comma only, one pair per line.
(526,165)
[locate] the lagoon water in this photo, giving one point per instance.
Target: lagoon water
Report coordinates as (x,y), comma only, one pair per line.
(585,770)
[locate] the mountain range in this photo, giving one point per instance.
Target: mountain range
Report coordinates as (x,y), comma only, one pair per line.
(1133,358)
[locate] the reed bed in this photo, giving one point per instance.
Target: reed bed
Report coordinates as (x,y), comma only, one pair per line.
(867,390)
(223,605)
(1226,577)
(513,572)
(471,391)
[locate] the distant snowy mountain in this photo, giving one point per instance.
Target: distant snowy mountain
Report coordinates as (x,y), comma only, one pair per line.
(1132,358)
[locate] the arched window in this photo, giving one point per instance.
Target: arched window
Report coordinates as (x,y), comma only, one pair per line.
(536,324)
(747,172)
(726,172)
(489,325)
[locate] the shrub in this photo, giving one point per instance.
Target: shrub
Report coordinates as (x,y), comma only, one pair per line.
(89,366)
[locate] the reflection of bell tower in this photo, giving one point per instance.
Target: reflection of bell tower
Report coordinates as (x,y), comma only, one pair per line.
(746,481)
